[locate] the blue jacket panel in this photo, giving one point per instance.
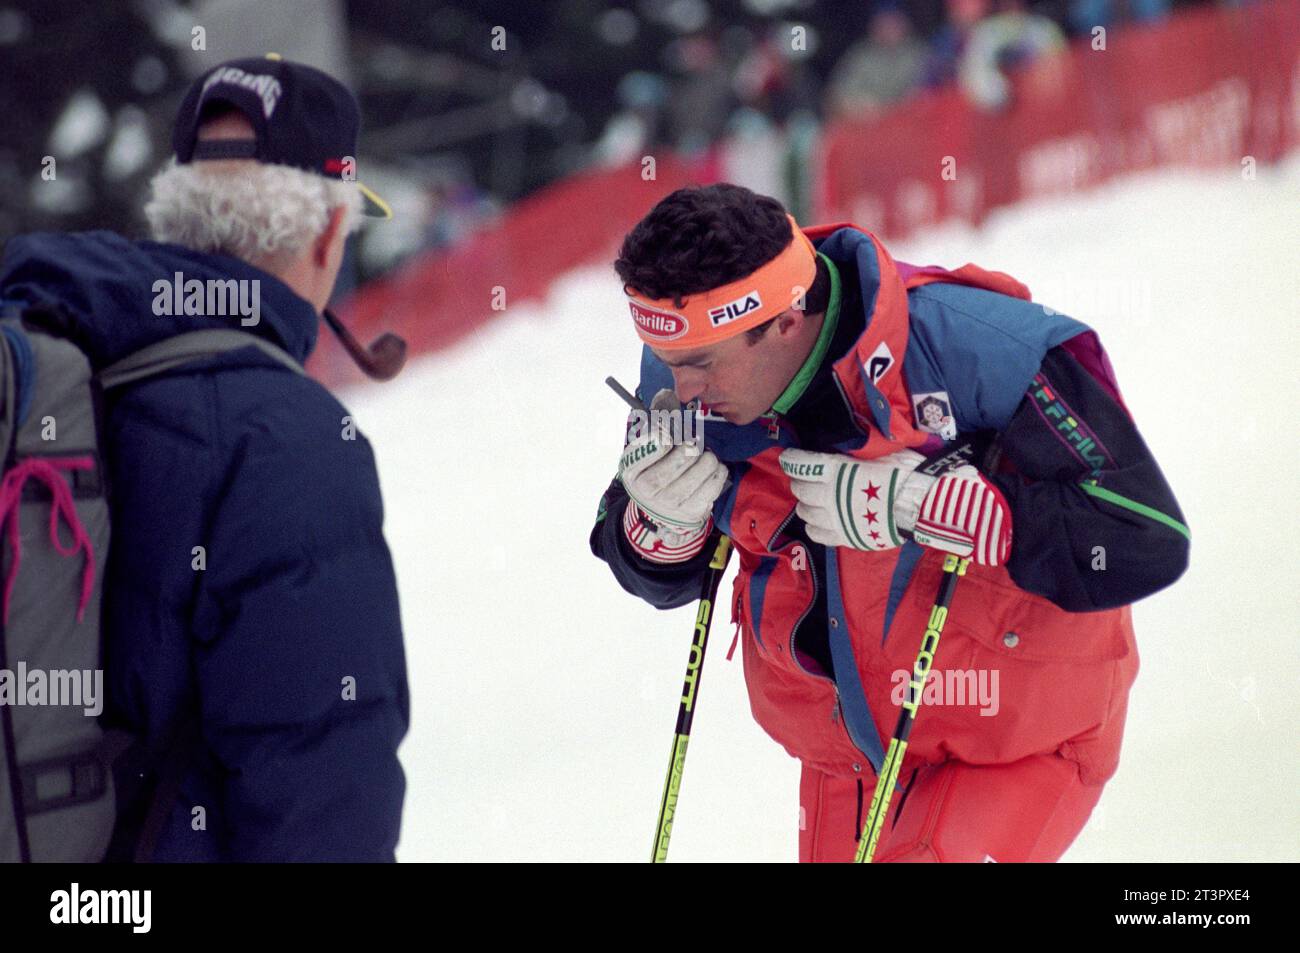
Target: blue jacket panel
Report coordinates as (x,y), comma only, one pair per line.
(981,347)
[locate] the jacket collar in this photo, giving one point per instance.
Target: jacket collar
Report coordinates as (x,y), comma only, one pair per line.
(870,374)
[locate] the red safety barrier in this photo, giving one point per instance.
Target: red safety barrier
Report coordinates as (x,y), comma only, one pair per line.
(438,298)
(1210,86)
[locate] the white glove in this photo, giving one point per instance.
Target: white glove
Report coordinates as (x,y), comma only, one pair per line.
(671,488)
(868,504)
(861,504)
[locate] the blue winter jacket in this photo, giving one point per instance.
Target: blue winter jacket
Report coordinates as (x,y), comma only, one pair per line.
(258,638)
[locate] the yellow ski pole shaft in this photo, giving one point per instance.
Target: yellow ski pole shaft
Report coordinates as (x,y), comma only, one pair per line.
(953,566)
(690,691)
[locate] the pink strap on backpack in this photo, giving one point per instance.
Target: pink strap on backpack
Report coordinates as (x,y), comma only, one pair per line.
(47,471)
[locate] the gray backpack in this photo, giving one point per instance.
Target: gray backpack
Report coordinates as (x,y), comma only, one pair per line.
(56,781)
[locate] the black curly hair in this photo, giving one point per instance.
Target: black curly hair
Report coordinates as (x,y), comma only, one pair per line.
(701,237)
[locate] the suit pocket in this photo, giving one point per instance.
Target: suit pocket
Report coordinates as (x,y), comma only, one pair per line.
(1009,621)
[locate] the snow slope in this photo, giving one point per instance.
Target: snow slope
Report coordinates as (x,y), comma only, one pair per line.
(543,696)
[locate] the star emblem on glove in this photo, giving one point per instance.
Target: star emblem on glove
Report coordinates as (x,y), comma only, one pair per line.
(872,516)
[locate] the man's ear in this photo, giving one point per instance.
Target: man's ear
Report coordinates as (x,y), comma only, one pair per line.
(788,321)
(321,247)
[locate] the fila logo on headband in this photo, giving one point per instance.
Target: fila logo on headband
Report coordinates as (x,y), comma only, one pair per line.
(660,325)
(735,309)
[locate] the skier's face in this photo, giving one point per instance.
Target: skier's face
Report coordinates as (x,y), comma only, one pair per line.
(740,380)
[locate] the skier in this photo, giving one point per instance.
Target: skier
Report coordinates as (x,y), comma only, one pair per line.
(252,635)
(825,372)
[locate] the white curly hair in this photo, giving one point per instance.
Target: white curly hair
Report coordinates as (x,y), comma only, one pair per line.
(261,213)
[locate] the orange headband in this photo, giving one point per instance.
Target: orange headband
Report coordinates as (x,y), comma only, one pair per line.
(723,312)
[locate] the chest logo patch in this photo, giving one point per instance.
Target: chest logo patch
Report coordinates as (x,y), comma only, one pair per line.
(934,414)
(880,361)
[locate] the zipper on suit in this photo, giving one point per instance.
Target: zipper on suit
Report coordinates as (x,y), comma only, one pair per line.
(812,567)
(812,564)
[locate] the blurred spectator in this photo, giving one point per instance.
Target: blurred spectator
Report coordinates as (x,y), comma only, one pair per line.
(1086,14)
(949,44)
(880,70)
(603,81)
(771,136)
(637,125)
(456,208)
(1011,38)
(772,80)
(701,98)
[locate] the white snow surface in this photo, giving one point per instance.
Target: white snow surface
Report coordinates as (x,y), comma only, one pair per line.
(543,697)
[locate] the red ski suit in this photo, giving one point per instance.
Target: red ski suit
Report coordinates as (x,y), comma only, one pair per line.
(1009,781)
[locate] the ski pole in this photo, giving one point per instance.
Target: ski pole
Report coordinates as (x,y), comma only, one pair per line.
(690,690)
(953,566)
(694,668)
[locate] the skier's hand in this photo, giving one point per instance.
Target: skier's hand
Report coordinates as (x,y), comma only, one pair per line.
(966,514)
(672,488)
(871,504)
(861,504)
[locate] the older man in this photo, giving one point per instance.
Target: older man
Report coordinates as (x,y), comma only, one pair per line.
(252,634)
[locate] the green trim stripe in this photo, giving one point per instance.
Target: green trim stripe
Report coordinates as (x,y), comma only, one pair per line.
(889,507)
(839,506)
(1103,494)
(846,507)
(799,383)
(660,518)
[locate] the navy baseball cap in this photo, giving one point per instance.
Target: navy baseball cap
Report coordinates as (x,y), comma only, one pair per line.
(301,117)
